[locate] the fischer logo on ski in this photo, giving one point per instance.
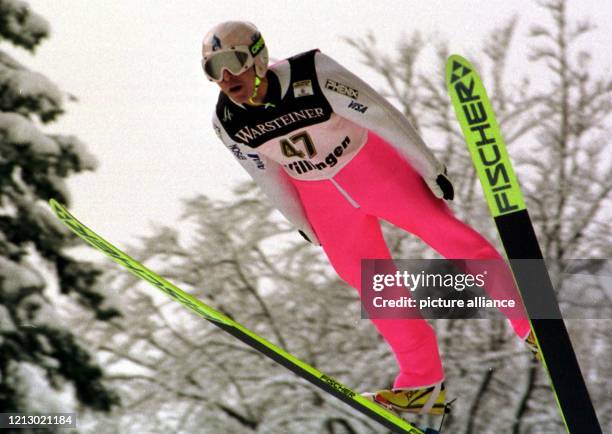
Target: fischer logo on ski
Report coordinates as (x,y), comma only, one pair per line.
(338,386)
(483,134)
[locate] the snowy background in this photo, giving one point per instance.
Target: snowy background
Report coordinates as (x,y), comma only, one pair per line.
(104,106)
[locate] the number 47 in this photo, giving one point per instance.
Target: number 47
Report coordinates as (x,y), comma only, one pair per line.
(288,145)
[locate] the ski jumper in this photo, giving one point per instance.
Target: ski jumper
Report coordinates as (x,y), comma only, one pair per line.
(335,157)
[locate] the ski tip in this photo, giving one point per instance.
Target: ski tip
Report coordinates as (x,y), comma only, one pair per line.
(457,58)
(57,208)
(55,205)
(457,67)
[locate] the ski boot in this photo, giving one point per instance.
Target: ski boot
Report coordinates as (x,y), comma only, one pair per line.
(532,344)
(425,400)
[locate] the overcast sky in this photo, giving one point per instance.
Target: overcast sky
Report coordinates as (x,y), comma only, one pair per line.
(144,105)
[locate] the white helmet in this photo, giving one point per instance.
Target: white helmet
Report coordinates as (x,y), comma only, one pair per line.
(234,46)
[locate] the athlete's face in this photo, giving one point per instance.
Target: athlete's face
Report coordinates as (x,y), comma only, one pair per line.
(238,87)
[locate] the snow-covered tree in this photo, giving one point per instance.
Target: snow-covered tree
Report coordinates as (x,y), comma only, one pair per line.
(43,365)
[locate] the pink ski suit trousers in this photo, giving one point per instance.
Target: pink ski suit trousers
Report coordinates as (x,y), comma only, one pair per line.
(382,185)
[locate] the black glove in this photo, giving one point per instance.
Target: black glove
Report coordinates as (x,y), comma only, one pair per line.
(446,186)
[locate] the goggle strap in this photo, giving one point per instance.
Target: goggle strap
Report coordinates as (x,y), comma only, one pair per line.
(257,45)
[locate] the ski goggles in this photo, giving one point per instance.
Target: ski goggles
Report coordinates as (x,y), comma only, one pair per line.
(235,60)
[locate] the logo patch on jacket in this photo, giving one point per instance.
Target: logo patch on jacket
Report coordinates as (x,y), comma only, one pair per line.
(342,89)
(227,115)
(302,88)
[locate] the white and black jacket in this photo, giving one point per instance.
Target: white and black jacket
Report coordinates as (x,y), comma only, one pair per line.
(317,120)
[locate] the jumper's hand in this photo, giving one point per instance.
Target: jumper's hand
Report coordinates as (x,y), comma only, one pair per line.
(442,186)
